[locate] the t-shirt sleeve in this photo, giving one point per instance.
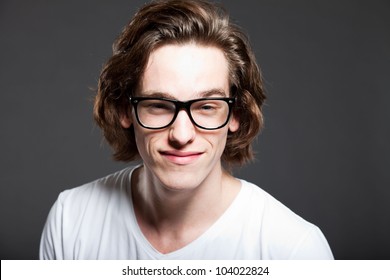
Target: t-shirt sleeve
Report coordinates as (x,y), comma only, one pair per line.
(312,246)
(51,247)
(285,235)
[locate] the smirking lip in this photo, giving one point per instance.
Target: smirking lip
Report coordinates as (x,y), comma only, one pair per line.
(181,158)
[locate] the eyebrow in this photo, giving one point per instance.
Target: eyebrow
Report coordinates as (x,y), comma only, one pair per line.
(203,94)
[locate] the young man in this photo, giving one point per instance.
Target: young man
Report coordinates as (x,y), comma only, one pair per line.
(183,93)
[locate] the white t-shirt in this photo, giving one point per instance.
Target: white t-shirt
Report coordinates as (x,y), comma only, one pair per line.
(97,221)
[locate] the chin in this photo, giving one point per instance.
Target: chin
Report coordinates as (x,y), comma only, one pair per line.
(182,177)
(180,181)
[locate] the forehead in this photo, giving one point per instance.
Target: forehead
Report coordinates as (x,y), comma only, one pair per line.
(186,69)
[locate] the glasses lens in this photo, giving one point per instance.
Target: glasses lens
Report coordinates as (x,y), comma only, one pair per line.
(210,114)
(154,113)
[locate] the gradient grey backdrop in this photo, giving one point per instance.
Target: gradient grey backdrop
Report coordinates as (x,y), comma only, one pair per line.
(324,151)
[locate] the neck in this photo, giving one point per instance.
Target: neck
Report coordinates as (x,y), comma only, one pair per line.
(163,211)
(162,203)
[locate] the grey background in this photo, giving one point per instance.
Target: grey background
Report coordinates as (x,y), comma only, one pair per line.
(324,152)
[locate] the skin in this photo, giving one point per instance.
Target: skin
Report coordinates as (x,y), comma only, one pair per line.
(182,189)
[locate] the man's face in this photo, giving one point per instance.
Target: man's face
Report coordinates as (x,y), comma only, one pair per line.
(183,156)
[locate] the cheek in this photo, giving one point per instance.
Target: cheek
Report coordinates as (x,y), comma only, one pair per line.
(146,141)
(218,140)
(222,144)
(140,140)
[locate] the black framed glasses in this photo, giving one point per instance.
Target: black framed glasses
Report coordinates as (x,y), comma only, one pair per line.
(206,113)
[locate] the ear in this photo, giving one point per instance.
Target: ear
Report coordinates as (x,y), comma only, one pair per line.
(125,120)
(234,124)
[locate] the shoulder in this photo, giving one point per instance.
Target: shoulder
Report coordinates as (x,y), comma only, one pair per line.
(270,207)
(79,214)
(94,195)
(284,234)
(273,214)
(98,190)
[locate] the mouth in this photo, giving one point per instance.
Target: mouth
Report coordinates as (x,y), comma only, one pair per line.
(181,158)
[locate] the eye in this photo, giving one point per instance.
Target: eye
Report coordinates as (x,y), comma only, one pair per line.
(157,106)
(207,107)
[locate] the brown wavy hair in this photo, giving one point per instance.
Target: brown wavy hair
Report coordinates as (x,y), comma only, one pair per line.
(179,22)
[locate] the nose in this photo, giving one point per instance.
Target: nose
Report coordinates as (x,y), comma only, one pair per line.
(182,131)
